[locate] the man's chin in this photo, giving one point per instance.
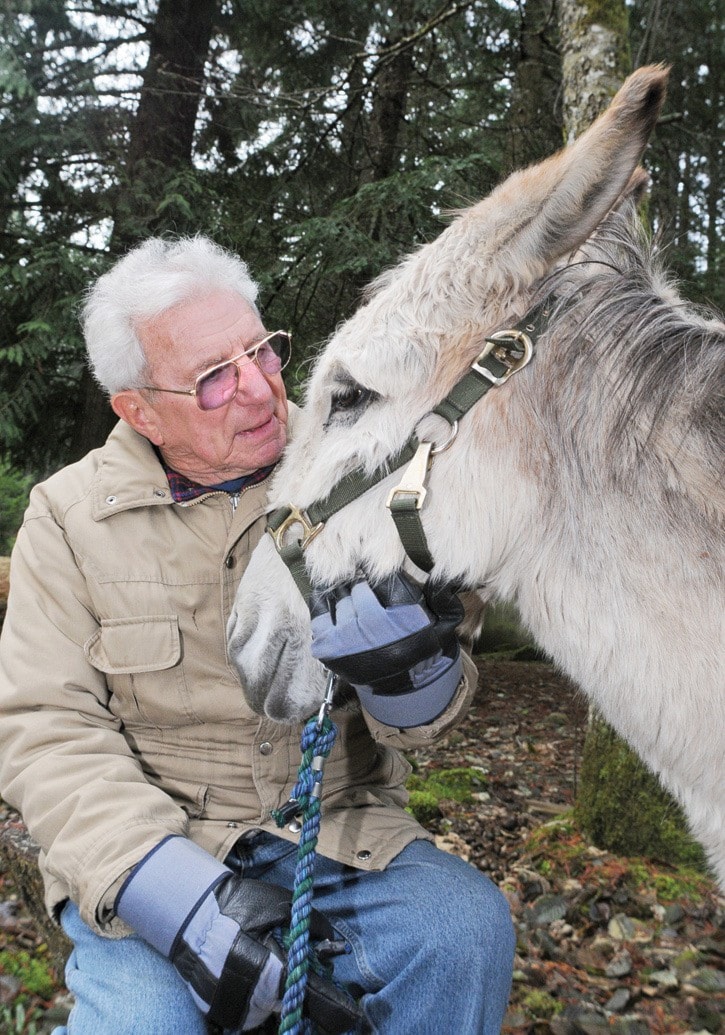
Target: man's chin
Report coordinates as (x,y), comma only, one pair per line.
(266,450)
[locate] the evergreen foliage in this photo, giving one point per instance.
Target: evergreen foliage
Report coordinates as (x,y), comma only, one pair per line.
(14,491)
(329,139)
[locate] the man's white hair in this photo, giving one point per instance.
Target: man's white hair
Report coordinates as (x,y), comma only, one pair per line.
(149,279)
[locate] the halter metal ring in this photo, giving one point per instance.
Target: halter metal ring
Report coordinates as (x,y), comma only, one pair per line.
(436,449)
(296,517)
(448,442)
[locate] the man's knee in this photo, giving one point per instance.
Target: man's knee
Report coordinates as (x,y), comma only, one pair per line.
(467,914)
(477,917)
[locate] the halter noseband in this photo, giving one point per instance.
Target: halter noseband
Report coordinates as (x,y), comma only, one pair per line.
(506,352)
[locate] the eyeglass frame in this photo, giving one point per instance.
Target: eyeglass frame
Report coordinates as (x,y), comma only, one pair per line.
(251,352)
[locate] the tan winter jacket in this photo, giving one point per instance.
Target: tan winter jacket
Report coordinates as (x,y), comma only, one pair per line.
(121,720)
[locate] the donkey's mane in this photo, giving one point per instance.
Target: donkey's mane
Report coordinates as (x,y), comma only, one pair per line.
(622,345)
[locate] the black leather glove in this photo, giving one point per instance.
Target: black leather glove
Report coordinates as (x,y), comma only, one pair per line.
(217,929)
(395,644)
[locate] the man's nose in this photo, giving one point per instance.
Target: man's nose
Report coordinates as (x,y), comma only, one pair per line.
(253,385)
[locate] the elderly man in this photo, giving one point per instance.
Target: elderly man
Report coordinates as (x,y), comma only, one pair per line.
(125,739)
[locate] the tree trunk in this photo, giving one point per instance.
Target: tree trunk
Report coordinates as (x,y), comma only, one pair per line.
(620,804)
(595,58)
(535,126)
(160,146)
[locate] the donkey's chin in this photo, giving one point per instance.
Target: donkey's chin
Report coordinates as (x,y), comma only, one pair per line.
(280,678)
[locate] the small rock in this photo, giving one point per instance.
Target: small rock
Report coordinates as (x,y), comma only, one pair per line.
(669,934)
(560,929)
(713,945)
(707,979)
(673,914)
(664,978)
(621,928)
(620,965)
(8,913)
(619,1001)
(545,910)
(658,912)
(580,1019)
(626,929)
(549,949)
(630,1026)
(533,885)
(571,886)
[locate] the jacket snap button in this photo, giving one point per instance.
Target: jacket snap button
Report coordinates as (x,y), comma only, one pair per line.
(230,562)
(364,855)
(160,493)
(265,748)
(111,499)
(232,825)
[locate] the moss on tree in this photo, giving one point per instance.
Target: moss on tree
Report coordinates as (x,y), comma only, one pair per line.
(622,807)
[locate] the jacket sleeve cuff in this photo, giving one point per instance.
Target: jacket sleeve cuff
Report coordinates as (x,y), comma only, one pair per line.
(419,736)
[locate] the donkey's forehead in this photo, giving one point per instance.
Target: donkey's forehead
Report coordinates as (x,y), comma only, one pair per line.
(376,357)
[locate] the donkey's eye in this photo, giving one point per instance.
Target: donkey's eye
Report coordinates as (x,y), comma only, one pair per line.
(349,398)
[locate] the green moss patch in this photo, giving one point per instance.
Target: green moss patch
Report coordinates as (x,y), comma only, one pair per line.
(427,790)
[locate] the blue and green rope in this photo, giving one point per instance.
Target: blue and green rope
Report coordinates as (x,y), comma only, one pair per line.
(318,737)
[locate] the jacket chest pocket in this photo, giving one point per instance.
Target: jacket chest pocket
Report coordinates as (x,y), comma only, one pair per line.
(141,659)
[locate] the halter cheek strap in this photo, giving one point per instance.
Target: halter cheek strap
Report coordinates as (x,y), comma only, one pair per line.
(506,352)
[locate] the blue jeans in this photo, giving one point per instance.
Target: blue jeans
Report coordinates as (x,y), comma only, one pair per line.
(432,949)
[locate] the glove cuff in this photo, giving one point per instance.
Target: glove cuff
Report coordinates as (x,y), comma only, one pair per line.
(414,707)
(164,890)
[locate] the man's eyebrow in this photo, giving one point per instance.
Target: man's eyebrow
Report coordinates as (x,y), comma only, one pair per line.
(235,349)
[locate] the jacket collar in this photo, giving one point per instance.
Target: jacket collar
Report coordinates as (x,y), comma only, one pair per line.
(130,475)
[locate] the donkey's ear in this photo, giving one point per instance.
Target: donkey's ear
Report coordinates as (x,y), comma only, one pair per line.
(548,210)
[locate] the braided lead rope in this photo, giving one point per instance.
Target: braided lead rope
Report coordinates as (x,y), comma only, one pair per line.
(318,737)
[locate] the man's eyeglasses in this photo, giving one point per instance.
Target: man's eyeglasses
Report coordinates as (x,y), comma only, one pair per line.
(218,385)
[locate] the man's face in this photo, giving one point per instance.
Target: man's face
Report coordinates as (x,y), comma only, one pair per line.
(214,445)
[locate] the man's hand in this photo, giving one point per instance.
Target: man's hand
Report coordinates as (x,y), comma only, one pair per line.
(217,929)
(396,646)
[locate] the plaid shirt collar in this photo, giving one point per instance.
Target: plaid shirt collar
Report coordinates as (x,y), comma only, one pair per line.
(183,489)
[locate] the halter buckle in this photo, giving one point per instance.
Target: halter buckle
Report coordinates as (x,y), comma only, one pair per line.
(413,481)
(296,517)
(511,347)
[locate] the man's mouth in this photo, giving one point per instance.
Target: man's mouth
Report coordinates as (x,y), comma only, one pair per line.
(259,429)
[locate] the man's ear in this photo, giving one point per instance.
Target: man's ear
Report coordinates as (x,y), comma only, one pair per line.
(131,407)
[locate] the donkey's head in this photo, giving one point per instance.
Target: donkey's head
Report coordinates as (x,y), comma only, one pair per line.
(385,370)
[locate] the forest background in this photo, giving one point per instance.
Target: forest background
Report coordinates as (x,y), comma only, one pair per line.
(320,140)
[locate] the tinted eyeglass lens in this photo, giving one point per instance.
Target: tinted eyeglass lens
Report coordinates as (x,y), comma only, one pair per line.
(281,345)
(217,388)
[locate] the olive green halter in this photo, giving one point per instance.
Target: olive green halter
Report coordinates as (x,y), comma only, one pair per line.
(506,352)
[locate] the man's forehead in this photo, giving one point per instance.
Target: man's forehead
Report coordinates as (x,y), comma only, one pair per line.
(205,329)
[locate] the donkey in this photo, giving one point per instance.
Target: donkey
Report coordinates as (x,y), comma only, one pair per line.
(586,486)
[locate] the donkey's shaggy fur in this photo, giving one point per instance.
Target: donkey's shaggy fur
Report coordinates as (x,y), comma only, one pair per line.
(588,488)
